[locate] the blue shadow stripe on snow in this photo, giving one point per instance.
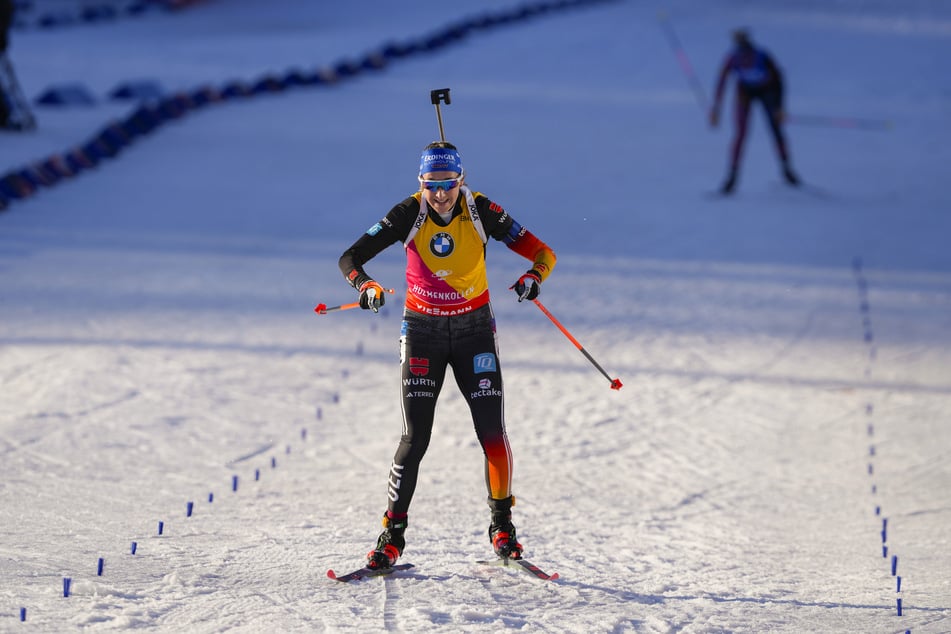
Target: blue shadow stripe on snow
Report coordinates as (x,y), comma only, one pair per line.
(25,181)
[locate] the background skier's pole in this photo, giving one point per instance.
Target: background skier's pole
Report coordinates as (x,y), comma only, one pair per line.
(840,122)
(684,61)
(615,383)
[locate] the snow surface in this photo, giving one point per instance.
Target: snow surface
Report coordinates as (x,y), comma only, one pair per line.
(786,355)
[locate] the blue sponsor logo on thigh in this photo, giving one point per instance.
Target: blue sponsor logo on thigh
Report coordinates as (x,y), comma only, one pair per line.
(484,362)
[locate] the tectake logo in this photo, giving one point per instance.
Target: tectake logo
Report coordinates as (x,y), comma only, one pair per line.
(484,362)
(485,384)
(441,244)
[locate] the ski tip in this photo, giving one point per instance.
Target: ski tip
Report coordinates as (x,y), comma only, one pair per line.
(554,576)
(331,573)
(616,384)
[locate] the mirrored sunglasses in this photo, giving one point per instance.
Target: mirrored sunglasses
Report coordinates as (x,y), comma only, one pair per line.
(447,185)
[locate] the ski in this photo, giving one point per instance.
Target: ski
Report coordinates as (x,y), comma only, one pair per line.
(363,573)
(524,564)
(808,189)
(817,192)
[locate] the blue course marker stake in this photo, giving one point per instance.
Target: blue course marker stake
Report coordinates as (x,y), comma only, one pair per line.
(234,483)
(898,587)
(22,614)
(273,462)
(161,527)
(894,564)
(211,498)
(99,567)
(67,583)
(899,606)
(188,509)
(884,551)
(257,475)
(135,547)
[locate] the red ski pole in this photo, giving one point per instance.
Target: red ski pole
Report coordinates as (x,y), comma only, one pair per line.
(615,383)
(840,122)
(682,59)
(322,309)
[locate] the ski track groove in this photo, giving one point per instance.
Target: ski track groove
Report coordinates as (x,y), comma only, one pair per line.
(391,604)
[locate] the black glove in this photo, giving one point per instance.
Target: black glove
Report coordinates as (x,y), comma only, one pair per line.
(371,296)
(528,286)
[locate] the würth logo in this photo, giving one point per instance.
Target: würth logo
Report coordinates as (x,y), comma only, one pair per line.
(419,366)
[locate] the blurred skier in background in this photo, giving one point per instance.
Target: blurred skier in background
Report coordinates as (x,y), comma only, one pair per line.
(447,322)
(758,78)
(6,19)
(14,112)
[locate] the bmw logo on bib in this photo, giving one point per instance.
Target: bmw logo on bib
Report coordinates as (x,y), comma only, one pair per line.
(441,245)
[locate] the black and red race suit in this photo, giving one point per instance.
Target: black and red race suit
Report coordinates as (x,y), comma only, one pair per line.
(447,322)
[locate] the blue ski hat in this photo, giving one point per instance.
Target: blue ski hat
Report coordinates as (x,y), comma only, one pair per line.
(440,159)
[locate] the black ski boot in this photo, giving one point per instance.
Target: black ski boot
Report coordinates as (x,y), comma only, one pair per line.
(728,184)
(389,545)
(502,531)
